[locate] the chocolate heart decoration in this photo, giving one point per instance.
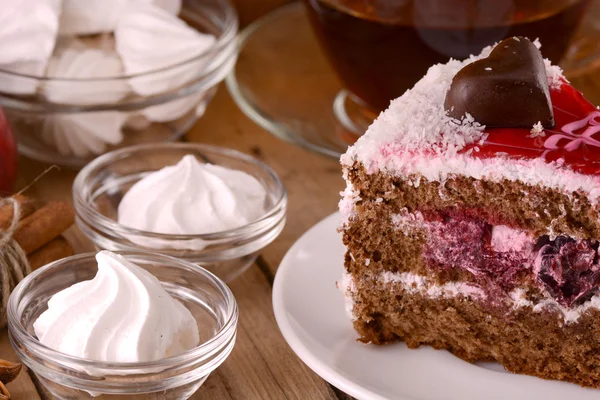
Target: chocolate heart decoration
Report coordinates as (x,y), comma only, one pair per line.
(508,89)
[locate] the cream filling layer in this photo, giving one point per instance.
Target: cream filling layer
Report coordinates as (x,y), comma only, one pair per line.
(570,314)
(411,283)
(419,284)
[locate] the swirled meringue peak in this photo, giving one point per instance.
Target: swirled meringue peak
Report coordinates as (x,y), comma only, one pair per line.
(192,198)
(122,315)
(149,38)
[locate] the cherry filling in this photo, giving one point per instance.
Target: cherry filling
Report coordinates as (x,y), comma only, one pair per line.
(501,259)
(459,242)
(568,268)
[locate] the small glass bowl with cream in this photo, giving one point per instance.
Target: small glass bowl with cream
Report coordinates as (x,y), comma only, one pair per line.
(212,206)
(78,81)
(99,305)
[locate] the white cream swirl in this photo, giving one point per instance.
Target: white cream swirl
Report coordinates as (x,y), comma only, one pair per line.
(122,315)
(193,198)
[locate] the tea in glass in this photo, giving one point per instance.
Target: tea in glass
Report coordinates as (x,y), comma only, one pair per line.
(381,48)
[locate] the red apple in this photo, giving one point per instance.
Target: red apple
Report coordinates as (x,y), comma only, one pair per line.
(8,156)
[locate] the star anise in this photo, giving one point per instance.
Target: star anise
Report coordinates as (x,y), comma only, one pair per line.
(8,372)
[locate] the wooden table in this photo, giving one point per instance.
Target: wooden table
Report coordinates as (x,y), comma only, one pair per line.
(262,366)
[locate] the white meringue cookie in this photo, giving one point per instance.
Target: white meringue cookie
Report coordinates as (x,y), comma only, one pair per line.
(124,314)
(191,198)
(86,64)
(16,84)
(137,122)
(84,17)
(176,109)
(171,6)
(149,38)
(87,17)
(28,30)
(83,134)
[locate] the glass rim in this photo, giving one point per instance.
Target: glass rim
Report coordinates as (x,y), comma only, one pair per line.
(84,211)
(228,34)
(250,108)
(31,343)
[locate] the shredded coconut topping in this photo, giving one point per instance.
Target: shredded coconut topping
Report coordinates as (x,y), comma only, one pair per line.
(537,130)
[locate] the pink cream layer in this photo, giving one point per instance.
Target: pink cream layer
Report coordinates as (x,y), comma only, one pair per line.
(501,258)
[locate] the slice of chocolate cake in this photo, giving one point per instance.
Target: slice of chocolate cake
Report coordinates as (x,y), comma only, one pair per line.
(471,217)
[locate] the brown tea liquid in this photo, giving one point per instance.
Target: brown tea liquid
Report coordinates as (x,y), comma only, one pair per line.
(380,48)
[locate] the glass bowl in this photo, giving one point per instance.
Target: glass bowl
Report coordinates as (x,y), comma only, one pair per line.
(66,377)
(100,186)
(70,121)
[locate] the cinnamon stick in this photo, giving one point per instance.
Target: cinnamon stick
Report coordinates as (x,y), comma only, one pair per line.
(55,250)
(44,225)
(6,212)
(4,395)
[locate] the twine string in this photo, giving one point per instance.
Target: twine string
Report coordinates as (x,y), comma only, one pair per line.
(14,265)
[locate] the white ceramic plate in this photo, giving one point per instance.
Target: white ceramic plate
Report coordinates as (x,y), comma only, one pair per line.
(311,315)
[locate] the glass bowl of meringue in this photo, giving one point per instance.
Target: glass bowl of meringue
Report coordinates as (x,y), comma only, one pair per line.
(83,78)
(87,326)
(208,205)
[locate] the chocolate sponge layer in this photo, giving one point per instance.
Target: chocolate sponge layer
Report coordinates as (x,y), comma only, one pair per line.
(533,208)
(523,341)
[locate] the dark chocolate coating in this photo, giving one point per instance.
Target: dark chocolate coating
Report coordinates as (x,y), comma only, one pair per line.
(508,89)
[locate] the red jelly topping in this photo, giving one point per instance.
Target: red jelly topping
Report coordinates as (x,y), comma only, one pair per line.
(575,139)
